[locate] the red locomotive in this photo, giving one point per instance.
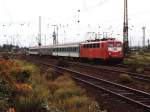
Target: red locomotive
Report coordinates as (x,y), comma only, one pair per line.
(103,49)
(94,49)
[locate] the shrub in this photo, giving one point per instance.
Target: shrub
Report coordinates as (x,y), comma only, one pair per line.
(140,70)
(77,102)
(52,86)
(65,81)
(7,87)
(29,104)
(50,74)
(66,93)
(22,76)
(3,105)
(125,78)
(24,89)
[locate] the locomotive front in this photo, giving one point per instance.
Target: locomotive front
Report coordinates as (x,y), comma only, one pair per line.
(115,49)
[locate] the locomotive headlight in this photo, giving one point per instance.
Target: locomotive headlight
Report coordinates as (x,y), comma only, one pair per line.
(110,53)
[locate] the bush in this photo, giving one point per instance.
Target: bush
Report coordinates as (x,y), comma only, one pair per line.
(50,74)
(24,89)
(77,102)
(52,86)
(140,70)
(22,76)
(3,105)
(65,81)
(125,78)
(66,93)
(29,104)
(7,87)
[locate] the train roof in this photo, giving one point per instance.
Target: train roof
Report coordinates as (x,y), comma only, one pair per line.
(77,44)
(58,45)
(100,41)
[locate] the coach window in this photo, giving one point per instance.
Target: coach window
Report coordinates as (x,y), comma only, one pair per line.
(75,49)
(94,45)
(72,49)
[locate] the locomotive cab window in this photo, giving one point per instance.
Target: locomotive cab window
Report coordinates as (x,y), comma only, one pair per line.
(118,45)
(110,45)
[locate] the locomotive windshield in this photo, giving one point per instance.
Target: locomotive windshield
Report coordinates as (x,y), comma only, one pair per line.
(110,45)
(114,44)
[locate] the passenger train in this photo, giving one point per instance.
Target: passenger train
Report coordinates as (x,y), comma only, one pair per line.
(104,49)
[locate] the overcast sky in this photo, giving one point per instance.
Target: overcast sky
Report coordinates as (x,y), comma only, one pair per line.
(19,19)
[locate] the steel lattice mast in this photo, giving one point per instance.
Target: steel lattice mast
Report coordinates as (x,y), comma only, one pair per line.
(125,28)
(39,35)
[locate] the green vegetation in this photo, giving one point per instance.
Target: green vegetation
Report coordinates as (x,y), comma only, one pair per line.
(125,78)
(137,61)
(24,89)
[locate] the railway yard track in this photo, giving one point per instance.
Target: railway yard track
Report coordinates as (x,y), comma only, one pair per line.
(117,95)
(140,81)
(135,100)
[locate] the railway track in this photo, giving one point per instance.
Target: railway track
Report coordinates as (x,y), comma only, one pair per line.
(137,76)
(146,68)
(135,100)
(138,100)
(139,81)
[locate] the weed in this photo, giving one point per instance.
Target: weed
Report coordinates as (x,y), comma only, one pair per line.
(125,78)
(140,70)
(50,74)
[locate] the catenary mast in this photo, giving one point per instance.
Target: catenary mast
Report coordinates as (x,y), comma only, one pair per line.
(39,35)
(125,28)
